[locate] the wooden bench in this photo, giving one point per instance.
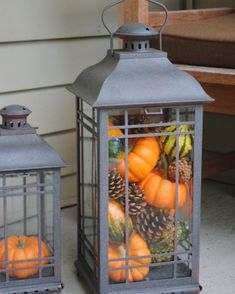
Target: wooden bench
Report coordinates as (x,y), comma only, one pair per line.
(219,83)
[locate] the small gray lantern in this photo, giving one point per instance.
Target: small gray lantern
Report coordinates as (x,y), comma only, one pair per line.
(139,134)
(29,208)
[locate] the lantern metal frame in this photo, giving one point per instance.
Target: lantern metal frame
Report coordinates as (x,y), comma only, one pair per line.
(100,283)
(27,162)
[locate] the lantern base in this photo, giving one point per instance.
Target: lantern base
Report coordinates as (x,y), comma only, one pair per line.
(86,278)
(32,289)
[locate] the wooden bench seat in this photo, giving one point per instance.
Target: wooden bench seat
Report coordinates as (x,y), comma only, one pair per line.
(208,42)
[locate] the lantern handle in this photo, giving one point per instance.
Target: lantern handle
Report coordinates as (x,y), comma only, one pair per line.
(107,7)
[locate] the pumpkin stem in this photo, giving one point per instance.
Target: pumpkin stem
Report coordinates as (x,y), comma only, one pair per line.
(20,244)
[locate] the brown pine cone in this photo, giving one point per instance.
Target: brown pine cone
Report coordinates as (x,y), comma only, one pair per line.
(152,222)
(116,185)
(185,170)
(136,200)
(138,119)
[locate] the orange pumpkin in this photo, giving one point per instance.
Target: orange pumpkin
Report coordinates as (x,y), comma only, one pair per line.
(137,248)
(141,159)
(114,132)
(161,193)
(22,248)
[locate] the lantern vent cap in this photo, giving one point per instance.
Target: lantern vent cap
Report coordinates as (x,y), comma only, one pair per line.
(136,31)
(14,120)
(15,110)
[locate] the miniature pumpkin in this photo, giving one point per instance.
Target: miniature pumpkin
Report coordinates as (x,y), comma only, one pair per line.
(116,145)
(161,193)
(117,222)
(114,132)
(137,247)
(23,248)
(142,158)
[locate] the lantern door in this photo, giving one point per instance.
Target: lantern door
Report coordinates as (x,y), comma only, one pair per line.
(30,230)
(152,197)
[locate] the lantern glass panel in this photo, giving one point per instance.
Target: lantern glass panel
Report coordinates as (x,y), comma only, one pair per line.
(87,187)
(151,154)
(27,210)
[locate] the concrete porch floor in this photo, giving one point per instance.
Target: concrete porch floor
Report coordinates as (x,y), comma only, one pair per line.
(217,258)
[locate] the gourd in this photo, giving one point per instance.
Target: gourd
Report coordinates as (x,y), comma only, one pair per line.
(137,247)
(23,248)
(161,193)
(117,222)
(168,143)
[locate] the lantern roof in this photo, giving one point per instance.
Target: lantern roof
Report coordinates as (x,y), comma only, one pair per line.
(21,148)
(136,76)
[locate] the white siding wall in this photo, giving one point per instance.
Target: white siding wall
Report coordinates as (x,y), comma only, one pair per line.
(43,46)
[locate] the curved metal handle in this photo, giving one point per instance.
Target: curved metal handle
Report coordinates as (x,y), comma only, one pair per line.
(114,3)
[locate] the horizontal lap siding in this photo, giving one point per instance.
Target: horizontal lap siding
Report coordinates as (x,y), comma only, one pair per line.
(68,190)
(43,47)
(50,19)
(46,64)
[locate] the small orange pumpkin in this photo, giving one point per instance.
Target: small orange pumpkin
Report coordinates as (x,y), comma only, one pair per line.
(161,193)
(141,159)
(137,248)
(114,132)
(23,248)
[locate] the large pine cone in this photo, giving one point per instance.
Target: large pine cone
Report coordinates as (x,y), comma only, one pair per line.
(136,200)
(152,222)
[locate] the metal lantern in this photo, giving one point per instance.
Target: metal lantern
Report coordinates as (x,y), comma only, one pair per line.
(139,138)
(29,208)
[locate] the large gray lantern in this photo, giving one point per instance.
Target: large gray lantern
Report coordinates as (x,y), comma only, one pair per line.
(29,208)
(139,135)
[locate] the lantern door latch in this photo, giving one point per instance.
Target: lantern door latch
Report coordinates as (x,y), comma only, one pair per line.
(156,111)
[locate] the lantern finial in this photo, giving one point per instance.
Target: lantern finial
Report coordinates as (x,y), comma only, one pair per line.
(14,120)
(136,36)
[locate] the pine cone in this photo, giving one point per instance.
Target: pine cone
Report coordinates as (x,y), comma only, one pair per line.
(136,200)
(185,170)
(116,185)
(152,222)
(138,119)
